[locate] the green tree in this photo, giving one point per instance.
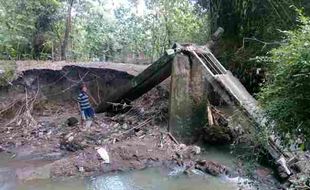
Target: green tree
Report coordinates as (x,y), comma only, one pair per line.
(286,96)
(96,34)
(86,29)
(177,21)
(25,26)
(67,30)
(93,32)
(252,28)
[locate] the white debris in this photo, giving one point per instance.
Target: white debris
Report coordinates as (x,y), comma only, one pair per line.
(88,124)
(70,139)
(104,155)
(282,162)
(68,135)
(182,146)
(125,126)
(81,169)
(196,149)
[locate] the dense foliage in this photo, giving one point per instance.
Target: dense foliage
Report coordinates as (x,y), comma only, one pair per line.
(286,96)
(24,26)
(92,29)
(252,28)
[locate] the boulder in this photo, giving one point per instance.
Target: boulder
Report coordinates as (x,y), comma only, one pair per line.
(72,121)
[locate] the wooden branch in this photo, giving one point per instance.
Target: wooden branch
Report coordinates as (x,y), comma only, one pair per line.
(93,99)
(210,116)
(134,128)
(124,105)
(259,41)
(172,138)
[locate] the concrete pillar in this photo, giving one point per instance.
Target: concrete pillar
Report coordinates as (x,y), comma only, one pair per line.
(187,99)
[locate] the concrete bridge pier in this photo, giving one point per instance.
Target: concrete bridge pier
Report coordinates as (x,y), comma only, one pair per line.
(188,98)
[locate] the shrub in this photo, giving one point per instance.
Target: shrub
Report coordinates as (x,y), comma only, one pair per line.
(286,95)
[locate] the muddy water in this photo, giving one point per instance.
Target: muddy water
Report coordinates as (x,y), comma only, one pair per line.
(151,179)
(148,179)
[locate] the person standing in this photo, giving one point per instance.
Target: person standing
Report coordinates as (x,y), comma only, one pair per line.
(86,110)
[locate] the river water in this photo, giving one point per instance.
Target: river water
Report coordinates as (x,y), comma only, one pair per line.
(148,179)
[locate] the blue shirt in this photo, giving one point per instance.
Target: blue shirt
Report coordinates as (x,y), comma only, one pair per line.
(83,101)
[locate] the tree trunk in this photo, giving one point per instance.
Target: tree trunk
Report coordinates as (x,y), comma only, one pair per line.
(168,31)
(67,31)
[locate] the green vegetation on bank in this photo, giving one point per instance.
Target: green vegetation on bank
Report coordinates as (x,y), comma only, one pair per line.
(252,28)
(286,96)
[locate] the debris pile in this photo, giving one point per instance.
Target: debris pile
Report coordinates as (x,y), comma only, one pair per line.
(131,139)
(217,130)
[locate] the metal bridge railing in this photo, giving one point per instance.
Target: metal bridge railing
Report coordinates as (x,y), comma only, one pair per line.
(210,63)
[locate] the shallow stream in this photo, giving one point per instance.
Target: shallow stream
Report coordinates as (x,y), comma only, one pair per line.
(152,179)
(148,179)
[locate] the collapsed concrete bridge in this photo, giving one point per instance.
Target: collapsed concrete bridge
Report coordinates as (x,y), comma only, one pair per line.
(196,75)
(197,79)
